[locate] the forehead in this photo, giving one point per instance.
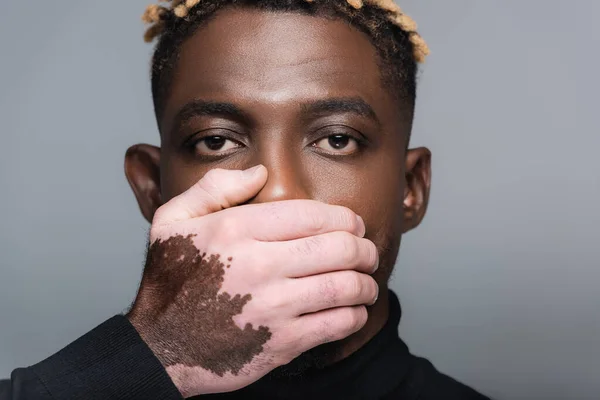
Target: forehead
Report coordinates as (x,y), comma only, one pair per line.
(266,59)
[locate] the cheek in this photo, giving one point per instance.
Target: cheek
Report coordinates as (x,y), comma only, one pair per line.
(372,190)
(177,176)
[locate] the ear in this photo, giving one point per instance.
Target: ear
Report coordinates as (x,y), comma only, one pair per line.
(142,169)
(418,183)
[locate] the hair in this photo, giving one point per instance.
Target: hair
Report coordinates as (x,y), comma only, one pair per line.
(393,34)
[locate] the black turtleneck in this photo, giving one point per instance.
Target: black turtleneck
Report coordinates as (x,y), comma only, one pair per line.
(112,362)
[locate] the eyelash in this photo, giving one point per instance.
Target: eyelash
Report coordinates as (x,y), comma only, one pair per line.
(360,140)
(192,143)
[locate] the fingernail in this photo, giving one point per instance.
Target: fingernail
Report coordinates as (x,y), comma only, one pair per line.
(376,264)
(249,173)
(376,296)
(362,229)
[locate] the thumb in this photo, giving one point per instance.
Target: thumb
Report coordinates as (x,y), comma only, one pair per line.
(218,189)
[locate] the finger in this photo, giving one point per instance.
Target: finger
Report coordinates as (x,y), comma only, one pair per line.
(332,290)
(218,189)
(328,326)
(294,219)
(329,252)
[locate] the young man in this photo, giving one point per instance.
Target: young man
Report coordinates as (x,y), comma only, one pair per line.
(277,201)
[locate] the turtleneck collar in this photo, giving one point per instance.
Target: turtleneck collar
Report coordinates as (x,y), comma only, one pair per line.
(371,372)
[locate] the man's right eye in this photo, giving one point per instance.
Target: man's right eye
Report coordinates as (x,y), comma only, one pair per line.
(215,146)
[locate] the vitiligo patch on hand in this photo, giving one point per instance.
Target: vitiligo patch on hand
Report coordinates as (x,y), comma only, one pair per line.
(189,322)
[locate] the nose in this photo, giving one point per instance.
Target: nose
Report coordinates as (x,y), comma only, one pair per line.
(286,180)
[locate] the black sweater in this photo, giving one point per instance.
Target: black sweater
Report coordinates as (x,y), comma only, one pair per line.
(112,362)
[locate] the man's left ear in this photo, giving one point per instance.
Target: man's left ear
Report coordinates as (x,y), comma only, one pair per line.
(418,182)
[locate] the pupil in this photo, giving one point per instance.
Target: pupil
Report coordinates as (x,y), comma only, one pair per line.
(214,142)
(338,141)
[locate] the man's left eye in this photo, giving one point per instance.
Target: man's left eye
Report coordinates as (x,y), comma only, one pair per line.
(337,144)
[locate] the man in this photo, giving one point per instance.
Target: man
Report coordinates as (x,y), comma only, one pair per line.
(277,201)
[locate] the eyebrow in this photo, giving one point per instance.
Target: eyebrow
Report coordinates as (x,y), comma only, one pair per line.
(195,108)
(354,105)
(211,108)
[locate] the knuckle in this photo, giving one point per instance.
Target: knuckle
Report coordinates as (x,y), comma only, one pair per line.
(348,219)
(315,221)
(328,291)
(227,227)
(276,303)
(348,245)
(262,271)
(372,253)
(356,319)
(159,217)
(354,285)
(310,212)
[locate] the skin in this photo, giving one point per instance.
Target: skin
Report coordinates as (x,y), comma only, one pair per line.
(302,96)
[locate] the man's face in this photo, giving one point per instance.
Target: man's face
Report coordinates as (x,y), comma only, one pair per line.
(304,97)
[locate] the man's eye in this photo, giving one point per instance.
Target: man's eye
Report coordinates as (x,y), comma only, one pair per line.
(337,144)
(215,144)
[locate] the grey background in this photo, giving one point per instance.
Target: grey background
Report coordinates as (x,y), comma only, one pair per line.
(500,284)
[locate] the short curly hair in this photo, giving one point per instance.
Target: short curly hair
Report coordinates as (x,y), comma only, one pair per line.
(393,33)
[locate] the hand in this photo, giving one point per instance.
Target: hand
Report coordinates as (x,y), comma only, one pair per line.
(230,293)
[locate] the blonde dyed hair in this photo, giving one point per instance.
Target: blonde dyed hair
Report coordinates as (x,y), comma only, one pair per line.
(158,15)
